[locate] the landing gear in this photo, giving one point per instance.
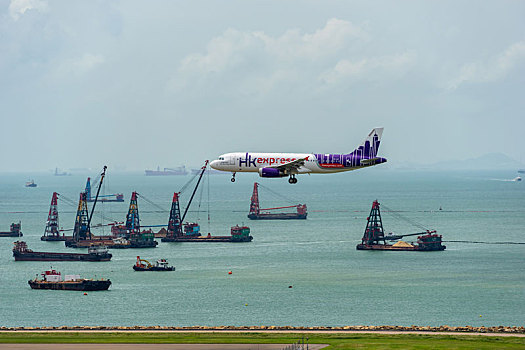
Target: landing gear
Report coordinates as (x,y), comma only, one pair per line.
(233,177)
(292,179)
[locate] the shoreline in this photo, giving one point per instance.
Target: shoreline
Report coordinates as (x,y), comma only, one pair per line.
(495,330)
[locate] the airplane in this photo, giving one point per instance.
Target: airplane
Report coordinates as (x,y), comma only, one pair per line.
(291,164)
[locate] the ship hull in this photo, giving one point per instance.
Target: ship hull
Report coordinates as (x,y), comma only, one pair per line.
(277,216)
(396,248)
(84,285)
(47,256)
(111,244)
(10,234)
(55,238)
(228,239)
(153,268)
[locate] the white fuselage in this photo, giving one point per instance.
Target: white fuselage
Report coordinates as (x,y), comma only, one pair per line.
(253,161)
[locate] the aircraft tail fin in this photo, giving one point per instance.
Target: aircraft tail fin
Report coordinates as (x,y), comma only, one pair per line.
(369,148)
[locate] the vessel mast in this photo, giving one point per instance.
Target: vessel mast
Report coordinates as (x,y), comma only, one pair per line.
(52,218)
(254,205)
(174,222)
(132,218)
(203,169)
(374,227)
(81,221)
(96,198)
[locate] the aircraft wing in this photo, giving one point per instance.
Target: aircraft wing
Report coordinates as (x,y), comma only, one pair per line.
(290,167)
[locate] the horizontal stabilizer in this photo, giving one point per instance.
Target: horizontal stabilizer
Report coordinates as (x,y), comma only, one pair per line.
(369,161)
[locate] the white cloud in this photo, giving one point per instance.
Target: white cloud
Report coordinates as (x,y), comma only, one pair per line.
(255,62)
(492,70)
(19,7)
(374,68)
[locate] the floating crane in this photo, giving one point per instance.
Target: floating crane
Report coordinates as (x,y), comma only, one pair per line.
(51,232)
(190,232)
(256,213)
(374,237)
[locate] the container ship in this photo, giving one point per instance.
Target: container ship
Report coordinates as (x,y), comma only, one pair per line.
(95,253)
(52,279)
(15,230)
(167,171)
(375,239)
(256,213)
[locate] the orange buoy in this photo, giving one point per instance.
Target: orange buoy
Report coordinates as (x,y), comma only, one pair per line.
(229,272)
(85,293)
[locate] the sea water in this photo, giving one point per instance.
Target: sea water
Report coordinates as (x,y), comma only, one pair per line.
(297,272)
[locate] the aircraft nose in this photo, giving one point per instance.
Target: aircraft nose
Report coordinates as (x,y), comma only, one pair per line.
(214,164)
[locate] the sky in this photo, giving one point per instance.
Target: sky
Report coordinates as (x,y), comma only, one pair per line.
(141,84)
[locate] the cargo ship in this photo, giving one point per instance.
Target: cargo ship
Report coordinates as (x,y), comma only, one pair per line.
(15,230)
(160,265)
(256,213)
(375,239)
(167,171)
(52,279)
(95,253)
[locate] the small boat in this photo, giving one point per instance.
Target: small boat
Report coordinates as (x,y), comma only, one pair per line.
(15,230)
(160,265)
(31,183)
(51,279)
(517,179)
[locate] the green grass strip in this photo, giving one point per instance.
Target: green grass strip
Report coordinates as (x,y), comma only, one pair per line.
(336,341)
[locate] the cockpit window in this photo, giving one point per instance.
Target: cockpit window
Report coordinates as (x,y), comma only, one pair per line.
(221,158)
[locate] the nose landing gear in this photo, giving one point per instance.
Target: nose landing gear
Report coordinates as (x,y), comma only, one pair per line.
(233,177)
(292,179)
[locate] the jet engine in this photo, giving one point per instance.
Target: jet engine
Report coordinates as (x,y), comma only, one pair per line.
(271,172)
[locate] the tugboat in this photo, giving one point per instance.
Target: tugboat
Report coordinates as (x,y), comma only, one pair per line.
(95,253)
(375,239)
(52,279)
(160,265)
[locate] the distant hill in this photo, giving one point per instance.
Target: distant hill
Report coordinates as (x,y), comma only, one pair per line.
(492,161)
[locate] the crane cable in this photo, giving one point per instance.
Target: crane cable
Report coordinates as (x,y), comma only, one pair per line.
(287,199)
(402,217)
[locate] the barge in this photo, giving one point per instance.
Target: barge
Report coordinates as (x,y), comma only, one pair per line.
(237,234)
(15,230)
(95,253)
(375,239)
(52,279)
(257,213)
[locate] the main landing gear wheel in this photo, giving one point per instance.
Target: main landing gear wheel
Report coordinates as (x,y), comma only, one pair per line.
(292,179)
(233,178)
